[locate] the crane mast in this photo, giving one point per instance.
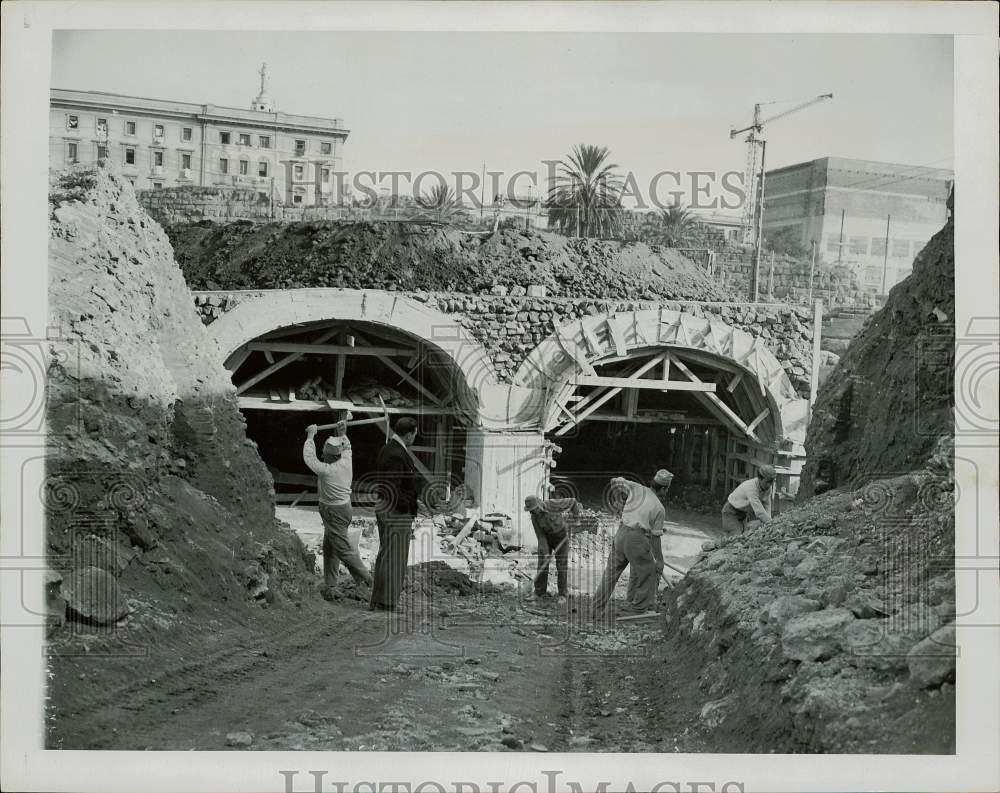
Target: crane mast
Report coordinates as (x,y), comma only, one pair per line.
(752,222)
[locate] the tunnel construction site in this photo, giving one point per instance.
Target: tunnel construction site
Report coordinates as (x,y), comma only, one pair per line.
(606,390)
(190,358)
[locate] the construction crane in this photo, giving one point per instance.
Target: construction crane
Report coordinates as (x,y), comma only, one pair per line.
(753,207)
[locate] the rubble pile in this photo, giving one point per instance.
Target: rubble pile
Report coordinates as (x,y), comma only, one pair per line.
(158,507)
(408,257)
(831,628)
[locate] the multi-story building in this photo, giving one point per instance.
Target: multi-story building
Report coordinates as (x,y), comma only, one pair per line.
(872,216)
(158,143)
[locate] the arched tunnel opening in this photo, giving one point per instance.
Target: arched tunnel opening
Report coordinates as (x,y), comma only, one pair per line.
(624,424)
(320,372)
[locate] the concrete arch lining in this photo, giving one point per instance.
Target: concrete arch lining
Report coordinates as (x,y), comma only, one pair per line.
(576,347)
(282,308)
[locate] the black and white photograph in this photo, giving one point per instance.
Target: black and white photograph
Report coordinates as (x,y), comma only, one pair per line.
(454,399)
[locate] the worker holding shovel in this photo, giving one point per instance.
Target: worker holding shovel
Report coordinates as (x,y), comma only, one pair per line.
(636,545)
(553,541)
(335,474)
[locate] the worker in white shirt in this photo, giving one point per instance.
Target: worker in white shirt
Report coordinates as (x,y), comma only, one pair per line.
(335,474)
(748,505)
(636,544)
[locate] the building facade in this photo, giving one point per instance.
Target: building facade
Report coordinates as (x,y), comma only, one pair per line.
(156,143)
(874,217)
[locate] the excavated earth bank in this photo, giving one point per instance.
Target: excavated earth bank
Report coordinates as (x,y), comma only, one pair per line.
(831,628)
(160,514)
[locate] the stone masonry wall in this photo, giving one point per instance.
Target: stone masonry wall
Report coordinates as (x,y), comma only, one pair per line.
(510,326)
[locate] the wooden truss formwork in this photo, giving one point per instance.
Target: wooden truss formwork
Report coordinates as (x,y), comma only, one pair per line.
(401,357)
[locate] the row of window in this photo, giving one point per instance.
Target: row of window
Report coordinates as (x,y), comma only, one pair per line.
(129,128)
(242,165)
(187,133)
(858,246)
(264,142)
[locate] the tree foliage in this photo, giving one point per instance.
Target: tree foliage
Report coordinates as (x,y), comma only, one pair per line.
(585,195)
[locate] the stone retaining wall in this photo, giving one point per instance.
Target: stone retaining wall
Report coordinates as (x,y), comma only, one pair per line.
(510,326)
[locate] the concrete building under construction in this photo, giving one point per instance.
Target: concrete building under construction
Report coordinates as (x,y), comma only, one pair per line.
(872,216)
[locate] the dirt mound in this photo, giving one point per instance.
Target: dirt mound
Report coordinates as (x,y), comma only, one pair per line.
(402,256)
(150,475)
(882,409)
(424,578)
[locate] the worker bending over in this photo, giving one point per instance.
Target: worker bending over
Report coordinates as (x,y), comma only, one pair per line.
(636,544)
(335,474)
(748,505)
(550,531)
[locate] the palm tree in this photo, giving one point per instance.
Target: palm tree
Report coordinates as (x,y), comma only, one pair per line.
(442,204)
(672,227)
(585,195)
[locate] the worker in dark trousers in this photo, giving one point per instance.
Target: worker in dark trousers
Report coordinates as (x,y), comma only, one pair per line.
(334,474)
(661,485)
(634,547)
(397,481)
(550,531)
(747,506)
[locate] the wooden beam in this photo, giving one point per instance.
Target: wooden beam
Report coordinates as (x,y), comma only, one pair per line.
(734,382)
(580,416)
(236,360)
(760,417)
(329,349)
(263,403)
(268,355)
(717,404)
(637,382)
(295,330)
(277,365)
(355,423)
(631,401)
(665,418)
(341,365)
(401,372)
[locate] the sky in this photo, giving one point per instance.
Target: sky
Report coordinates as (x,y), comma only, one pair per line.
(451,102)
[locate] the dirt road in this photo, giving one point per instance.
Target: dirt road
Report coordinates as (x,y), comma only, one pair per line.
(473,673)
(486,671)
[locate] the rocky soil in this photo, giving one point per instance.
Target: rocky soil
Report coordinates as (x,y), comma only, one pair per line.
(160,516)
(831,628)
(889,399)
(408,257)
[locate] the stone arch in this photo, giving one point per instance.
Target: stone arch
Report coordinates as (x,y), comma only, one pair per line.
(576,347)
(265,312)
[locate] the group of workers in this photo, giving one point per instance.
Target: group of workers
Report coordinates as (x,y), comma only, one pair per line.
(637,542)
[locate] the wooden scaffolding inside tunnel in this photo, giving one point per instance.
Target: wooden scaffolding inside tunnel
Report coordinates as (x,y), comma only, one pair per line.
(407,365)
(718,412)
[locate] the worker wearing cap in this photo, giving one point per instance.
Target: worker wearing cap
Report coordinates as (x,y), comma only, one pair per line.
(335,474)
(748,505)
(660,486)
(636,545)
(550,531)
